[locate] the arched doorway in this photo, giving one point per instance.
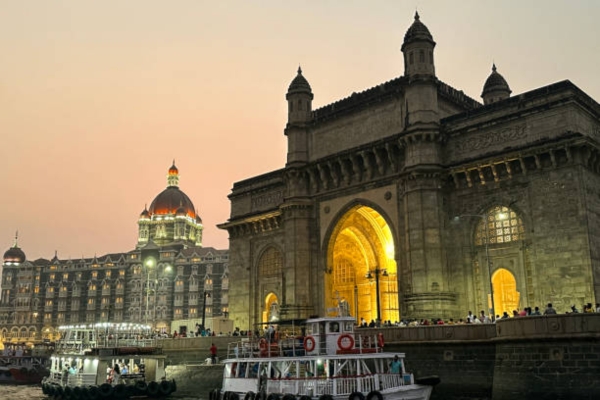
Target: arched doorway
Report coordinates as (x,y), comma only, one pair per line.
(506,296)
(362,276)
(271,309)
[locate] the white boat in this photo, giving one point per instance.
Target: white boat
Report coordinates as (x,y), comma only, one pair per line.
(330,361)
(82,364)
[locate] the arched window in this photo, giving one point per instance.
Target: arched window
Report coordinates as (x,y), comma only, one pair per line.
(422,56)
(499,225)
(271,263)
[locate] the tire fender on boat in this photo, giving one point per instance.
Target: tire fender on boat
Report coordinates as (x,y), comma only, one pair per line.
(105,390)
(76,393)
(68,392)
(141,387)
(305,397)
(234,396)
(249,396)
(119,391)
(216,394)
(356,396)
(153,388)
(326,397)
(288,396)
(165,387)
(273,396)
(173,386)
(375,395)
(93,393)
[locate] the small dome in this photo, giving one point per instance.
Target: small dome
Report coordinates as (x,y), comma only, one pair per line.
(417,31)
(173,170)
(14,255)
(198,220)
(299,84)
(495,83)
(145,214)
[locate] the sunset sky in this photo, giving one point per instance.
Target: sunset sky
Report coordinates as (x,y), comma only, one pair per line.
(98,97)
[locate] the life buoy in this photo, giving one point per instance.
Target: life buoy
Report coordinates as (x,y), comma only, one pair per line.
(249,396)
(273,396)
(356,396)
(309,343)
(375,395)
(165,387)
(152,388)
(345,342)
(380,340)
(105,390)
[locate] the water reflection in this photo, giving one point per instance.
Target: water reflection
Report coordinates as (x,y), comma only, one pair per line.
(21,392)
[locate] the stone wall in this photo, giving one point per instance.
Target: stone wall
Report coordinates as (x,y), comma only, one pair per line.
(547,357)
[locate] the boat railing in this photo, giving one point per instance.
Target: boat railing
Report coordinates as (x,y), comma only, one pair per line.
(78,347)
(337,386)
(81,379)
(304,345)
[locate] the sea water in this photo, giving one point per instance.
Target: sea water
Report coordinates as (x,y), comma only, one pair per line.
(29,392)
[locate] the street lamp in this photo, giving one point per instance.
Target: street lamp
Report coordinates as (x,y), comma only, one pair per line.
(485,218)
(369,275)
(150,263)
(205,295)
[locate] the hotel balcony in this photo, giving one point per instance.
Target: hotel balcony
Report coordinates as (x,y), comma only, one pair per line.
(193,288)
(106,292)
(120,291)
(62,307)
(62,294)
(76,293)
(91,307)
(119,306)
(48,308)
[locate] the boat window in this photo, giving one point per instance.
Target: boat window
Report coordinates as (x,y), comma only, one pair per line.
(349,327)
(334,327)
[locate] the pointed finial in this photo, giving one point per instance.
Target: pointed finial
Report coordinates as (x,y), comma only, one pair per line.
(17,238)
(299,70)
(493,67)
(417,17)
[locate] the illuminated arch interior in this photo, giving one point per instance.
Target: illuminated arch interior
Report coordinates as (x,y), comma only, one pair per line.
(506,296)
(362,243)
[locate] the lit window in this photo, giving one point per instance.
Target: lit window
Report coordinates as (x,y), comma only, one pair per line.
(501,225)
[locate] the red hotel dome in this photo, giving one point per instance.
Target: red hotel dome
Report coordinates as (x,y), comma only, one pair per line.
(171,200)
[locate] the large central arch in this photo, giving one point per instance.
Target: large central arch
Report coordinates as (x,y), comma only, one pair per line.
(362,272)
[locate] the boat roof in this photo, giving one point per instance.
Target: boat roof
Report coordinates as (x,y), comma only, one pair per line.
(315,357)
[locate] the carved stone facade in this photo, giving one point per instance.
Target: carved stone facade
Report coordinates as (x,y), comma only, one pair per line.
(412,200)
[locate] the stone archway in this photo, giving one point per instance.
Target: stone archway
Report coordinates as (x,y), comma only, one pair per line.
(362,275)
(270,311)
(506,296)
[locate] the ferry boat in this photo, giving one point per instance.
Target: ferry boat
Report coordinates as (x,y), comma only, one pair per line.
(331,361)
(22,365)
(83,364)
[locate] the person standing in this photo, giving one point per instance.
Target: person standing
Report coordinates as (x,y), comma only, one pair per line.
(116,374)
(395,365)
(550,310)
(213,354)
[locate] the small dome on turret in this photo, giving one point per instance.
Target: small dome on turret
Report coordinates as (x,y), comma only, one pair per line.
(495,88)
(198,219)
(173,170)
(14,255)
(299,84)
(145,214)
(181,212)
(417,31)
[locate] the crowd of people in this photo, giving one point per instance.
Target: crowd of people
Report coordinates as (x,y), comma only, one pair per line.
(481,318)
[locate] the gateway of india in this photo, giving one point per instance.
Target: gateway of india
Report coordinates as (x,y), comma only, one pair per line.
(411,200)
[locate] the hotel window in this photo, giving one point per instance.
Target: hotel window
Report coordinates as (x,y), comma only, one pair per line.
(178,313)
(49,303)
(122,273)
(105,301)
(94,274)
(91,301)
(106,286)
(50,290)
(52,277)
(119,300)
(36,289)
(66,276)
(108,274)
(92,287)
(79,275)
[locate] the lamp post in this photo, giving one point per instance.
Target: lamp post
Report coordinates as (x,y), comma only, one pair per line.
(149,263)
(205,295)
(485,217)
(369,275)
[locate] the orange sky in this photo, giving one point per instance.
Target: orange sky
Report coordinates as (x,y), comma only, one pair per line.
(98,97)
